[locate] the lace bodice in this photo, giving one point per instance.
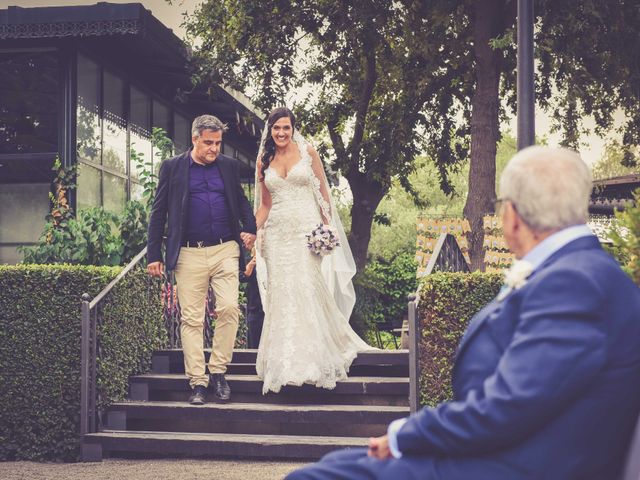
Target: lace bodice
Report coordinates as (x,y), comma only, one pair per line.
(298,192)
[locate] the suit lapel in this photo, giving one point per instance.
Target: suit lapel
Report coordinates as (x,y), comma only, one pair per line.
(183,171)
(476,322)
(229,183)
(495,307)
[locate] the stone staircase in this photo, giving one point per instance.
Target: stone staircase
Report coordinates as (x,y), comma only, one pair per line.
(301,423)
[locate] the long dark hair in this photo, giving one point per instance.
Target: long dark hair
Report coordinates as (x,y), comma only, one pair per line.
(269,145)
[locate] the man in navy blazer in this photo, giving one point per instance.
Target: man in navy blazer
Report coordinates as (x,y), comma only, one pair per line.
(547,376)
(200,199)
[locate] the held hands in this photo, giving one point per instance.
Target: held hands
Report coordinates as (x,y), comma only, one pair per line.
(155,269)
(248,239)
(379,448)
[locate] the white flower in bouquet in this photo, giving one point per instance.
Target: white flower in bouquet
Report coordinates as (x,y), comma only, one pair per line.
(322,240)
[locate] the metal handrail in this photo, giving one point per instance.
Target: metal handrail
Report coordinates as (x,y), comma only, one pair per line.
(88,350)
(113,282)
(447,257)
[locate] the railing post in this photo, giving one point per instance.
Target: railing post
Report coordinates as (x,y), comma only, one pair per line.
(93,369)
(85,327)
(414,337)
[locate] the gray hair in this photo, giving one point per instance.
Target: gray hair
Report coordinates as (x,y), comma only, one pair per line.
(549,187)
(207,122)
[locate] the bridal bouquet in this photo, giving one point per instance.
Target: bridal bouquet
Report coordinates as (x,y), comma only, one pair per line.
(322,240)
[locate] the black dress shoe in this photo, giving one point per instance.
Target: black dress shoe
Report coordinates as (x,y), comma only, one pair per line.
(198,395)
(220,387)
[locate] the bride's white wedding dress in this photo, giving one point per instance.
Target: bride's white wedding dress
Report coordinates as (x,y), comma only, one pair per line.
(305,337)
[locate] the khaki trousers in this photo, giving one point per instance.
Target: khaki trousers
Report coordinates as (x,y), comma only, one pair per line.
(196,268)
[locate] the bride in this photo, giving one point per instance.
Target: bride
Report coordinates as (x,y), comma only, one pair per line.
(307,299)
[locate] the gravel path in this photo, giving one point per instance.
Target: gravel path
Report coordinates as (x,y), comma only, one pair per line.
(112,469)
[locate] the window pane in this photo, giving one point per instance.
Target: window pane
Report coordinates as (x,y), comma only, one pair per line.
(182,137)
(115,192)
(23,207)
(88,127)
(161,119)
(228,150)
(88,186)
(136,191)
(115,124)
(243,158)
(140,128)
(29,108)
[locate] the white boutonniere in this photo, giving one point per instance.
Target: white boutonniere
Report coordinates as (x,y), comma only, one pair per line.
(515,278)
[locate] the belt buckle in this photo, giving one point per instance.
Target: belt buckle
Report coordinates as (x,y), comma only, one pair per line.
(199,244)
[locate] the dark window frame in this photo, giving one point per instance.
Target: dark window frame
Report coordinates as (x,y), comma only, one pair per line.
(129,81)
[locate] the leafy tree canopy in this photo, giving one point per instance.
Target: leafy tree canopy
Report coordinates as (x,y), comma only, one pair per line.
(365,72)
(612,162)
(589,65)
(388,80)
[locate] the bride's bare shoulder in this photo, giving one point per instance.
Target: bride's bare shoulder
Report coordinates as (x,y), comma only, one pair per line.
(312,151)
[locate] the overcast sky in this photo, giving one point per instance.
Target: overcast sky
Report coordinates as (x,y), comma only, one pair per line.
(172,17)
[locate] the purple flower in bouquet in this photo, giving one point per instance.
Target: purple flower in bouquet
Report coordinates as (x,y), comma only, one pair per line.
(322,240)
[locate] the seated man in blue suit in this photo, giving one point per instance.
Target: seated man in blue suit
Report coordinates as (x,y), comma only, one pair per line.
(547,377)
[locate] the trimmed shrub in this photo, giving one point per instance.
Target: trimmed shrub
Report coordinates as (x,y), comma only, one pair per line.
(447,303)
(40,351)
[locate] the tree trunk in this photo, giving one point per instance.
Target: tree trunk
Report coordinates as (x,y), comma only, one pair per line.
(488,23)
(367,195)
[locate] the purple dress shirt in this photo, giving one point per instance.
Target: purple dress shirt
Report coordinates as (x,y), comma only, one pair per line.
(208,213)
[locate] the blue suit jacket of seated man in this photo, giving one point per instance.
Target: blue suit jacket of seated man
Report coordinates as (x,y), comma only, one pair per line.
(546,381)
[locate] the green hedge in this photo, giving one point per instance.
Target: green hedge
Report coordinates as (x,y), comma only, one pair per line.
(447,303)
(40,351)
(381,294)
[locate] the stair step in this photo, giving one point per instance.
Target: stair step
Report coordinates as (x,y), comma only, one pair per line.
(374,363)
(355,370)
(212,445)
(232,369)
(254,418)
(248,389)
(301,423)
